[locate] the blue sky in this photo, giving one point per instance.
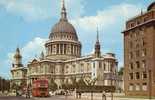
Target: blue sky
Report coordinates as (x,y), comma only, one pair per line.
(27,24)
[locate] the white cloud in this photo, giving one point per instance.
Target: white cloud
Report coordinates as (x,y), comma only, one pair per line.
(111,21)
(107,17)
(31,50)
(34,10)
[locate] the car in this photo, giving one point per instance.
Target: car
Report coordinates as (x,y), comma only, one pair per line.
(51,93)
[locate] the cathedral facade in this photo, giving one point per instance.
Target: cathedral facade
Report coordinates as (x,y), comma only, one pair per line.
(63,61)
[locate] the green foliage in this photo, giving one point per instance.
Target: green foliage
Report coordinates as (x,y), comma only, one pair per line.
(4,84)
(74,83)
(90,82)
(15,86)
(81,83)
(121,71)
(52,85)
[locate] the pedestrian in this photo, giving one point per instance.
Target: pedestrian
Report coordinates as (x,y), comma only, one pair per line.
(28,93)
(79,95)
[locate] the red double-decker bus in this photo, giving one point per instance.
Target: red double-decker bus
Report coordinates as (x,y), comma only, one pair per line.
(40,88)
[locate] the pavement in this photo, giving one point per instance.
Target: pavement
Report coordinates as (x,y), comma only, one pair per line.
(86,97)
(14,98)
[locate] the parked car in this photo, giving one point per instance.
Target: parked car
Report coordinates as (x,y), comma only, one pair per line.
(51,93)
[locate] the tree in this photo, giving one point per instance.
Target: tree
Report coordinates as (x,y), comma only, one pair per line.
(74,83)
(1,84)
(81,83)
(91,82)
(53,85)
(121,71)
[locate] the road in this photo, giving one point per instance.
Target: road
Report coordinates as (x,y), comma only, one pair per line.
(64,98)
(54,98)
(34,98)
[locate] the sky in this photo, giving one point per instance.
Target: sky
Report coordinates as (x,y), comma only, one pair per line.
(27,24)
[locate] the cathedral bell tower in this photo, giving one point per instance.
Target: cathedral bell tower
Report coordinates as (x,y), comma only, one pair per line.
(17,59)
(97,46)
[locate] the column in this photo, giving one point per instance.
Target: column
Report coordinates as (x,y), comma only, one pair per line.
(51,49)
(63,50)
(73,49)
(59,49)
(77,50)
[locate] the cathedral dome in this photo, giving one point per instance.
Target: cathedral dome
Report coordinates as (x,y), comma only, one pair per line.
(63,41)
(63,27)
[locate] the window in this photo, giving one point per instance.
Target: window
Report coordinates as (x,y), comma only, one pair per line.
(144,75)
(94,65)
(104,66)
(100,65)
(135,35)
(144,64)
(67,69)
(145,19)
(82,67)
(111,67)
(130,76)
(131,35)
(143,42)
(131,87)
(41,69)
(131,66)
(144,86)
(137,45)
(88,65)
(74,69)
(143,52)
(137,75)
(137,53)
(137,64)
(52,69)
(132,24)
(137,87)
(142,32)
(131,44)
(130,55)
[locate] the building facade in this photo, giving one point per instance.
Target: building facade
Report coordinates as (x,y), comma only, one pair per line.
(63,62)
(139,54)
